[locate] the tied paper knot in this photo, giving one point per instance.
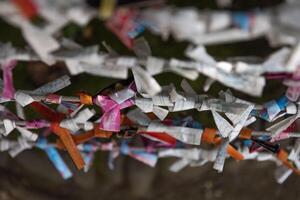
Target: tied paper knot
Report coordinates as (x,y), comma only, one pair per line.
(139,154)
(37,124)
(8,87)
(111,119)
(123,25)
(293,83)
(244,20)
(271,109)
(112,105)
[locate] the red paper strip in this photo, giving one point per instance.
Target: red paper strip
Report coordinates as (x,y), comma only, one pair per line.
(27,7)
(47,112)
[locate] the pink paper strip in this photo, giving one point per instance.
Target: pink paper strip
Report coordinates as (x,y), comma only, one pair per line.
(8,86)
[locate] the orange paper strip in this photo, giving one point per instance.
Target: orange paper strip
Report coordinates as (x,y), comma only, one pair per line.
(246,133)
(208,135)
(234,153)
(69,143)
